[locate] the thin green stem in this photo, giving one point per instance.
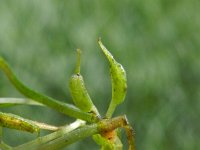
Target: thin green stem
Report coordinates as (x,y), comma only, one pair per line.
(45,126)
(60,139)
(70,138)
(50,137)
(6,102)
(111,109)
(65,108)
(78,63)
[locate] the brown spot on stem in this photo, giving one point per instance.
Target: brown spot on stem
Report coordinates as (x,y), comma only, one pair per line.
(110,135)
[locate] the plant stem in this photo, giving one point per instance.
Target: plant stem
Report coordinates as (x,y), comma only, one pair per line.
(111,109)
(130,137)
(70,138)
(6,102)
(78,63)
(50,137)
(120,121)
(57,105)
(60,139)
(45,126)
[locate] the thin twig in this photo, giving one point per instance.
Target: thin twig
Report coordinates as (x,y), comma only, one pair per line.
(7,101)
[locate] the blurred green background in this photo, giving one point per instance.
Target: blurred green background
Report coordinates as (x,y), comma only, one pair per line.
(157,41)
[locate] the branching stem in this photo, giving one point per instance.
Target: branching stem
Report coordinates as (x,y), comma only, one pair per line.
(65,108)
(60,138)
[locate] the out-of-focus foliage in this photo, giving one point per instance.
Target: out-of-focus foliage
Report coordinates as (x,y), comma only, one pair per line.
(157,41)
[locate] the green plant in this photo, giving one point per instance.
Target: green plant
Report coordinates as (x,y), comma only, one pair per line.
(104,130)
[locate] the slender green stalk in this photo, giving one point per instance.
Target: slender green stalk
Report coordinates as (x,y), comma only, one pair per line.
(103,126)
(60,139)
(111,109)
(45,126)
(67,109)
(50,137)
(78,63)
(6,102)
(70,138)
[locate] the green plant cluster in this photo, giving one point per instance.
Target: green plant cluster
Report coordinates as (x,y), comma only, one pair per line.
(156,41)
(103,129)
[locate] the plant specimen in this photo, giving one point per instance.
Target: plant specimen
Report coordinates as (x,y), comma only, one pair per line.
(89,122)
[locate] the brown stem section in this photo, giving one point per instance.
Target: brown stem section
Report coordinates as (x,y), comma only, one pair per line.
(130,137)
(111,124)
(108,125)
